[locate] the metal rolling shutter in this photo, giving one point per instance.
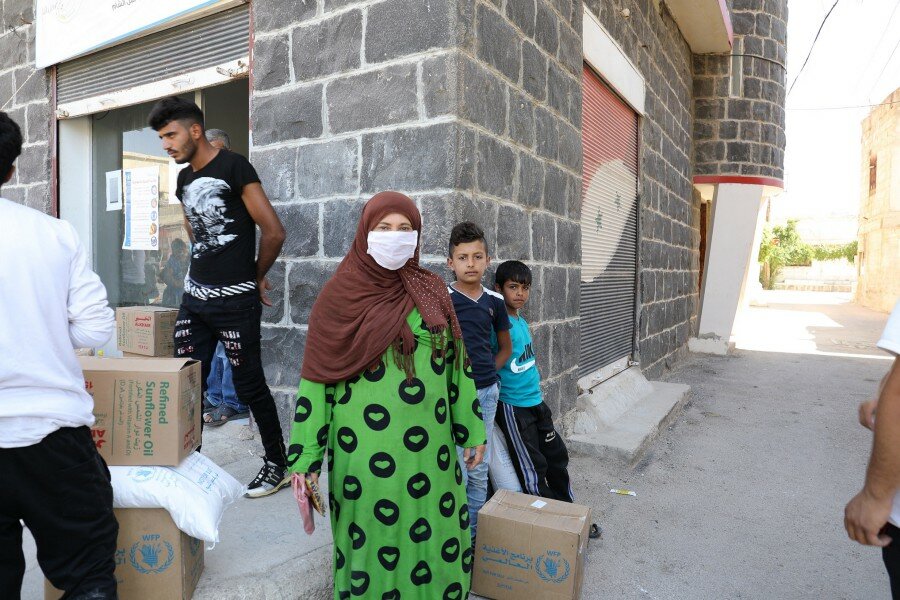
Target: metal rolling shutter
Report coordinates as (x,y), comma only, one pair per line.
(609,215)
(206,42)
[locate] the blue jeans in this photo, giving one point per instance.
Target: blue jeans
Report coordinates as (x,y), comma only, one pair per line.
(476,480)
(220,386)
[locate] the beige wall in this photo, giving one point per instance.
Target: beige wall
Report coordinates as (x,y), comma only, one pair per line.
(879,211)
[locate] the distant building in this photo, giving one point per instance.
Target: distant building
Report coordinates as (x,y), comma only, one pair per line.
(879,210)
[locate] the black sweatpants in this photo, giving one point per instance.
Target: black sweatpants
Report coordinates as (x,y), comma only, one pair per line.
(891,556)
(60,488)
(538,452)
(235,321)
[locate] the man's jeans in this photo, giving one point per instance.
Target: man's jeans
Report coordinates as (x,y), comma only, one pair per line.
(476,480)
(219,386)
(234,321)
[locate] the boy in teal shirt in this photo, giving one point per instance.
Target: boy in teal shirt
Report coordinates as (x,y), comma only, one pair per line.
(537,450)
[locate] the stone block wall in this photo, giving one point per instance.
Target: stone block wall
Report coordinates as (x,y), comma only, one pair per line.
(742,131)
(669,208)
(25,96)
(471,107)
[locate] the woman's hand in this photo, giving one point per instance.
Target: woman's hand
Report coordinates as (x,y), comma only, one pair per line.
(314,477)
(473,456)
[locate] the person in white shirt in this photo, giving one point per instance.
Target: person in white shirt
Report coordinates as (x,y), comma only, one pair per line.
(872,518)
(51,475)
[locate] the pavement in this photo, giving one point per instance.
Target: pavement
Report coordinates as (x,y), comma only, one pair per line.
(740,497)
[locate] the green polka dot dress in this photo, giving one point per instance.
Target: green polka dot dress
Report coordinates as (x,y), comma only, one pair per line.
(398,506)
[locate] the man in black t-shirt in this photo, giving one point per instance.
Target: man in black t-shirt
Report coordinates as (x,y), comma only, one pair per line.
(223,204)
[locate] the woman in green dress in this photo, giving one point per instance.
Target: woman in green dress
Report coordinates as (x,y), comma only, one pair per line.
(385,387)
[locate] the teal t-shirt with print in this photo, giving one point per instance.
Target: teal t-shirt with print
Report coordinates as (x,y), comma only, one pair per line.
(520,380)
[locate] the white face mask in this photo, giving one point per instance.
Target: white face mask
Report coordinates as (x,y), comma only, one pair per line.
(391,249)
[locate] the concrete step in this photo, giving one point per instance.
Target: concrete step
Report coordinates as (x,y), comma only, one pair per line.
(624,435)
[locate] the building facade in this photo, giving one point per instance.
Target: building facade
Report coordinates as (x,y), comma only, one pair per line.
(622,148)
(878,283)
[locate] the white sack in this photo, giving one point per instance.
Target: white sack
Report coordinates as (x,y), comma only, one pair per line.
(195,493)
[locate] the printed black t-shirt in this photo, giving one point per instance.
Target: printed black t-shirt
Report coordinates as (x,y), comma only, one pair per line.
(224,250)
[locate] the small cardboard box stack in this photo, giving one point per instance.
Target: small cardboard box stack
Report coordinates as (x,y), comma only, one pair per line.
(147,413)
(147,410)
(154,560)
(530,547)
(146,330)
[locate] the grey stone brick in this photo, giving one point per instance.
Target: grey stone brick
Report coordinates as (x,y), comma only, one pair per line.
(39,198)
(441,213)
(738,152)
(555,190)
(305,280)
(555,279)
(282,355)
(301,222)
(541,336)
(573,291)
(546,30)
(740,109)
(512,233)
(377,98)
(568,240)
(570,147)
(271,62)
(439,77)
(340,219)
(33,165)
(498,43)
(521,119)
(7,87)
(275,15)
(290,115)
(14,194)
(329,168)
(277,172)
(328,46)
(531,180)
(521,13)
(410,159)
(728,130)
(483,98)
(13,47)
(32,85)
(749,131)
(566,342)
(558,96)
(543,237)
(546,133)
(37,118)
(534,71)
(570,49)
(496,167)
(275,313)
(402,27)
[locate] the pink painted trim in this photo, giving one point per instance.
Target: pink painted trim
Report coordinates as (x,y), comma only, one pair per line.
(744,179)
(726,17)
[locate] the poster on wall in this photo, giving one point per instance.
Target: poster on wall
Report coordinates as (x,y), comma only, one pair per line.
(70,28)
(141,209)
(114,190)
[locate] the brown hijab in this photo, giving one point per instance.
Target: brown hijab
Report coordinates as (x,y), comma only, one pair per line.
(362,310)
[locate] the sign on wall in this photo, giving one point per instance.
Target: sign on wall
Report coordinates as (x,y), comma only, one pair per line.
(70,28)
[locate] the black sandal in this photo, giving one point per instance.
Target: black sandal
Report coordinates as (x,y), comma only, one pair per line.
(221,415)
(595,532)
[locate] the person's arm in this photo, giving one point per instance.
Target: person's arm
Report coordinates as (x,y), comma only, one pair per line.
(91,320)
(870,509)
(504,349)
(272,234)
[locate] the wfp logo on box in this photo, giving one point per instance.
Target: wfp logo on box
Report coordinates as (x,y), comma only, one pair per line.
(151,555)
(552,567)
(141,475)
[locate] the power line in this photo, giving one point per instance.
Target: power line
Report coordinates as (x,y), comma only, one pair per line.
(877,79)
(813,45)
(877,44)
(847,107)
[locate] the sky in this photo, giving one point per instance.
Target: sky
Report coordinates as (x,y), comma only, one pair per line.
(849,66)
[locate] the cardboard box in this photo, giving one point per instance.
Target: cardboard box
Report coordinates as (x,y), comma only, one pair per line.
(154,560)
(146,330)
(530,547)
(147,410)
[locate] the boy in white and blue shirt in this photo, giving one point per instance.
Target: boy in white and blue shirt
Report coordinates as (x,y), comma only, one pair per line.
(482,316)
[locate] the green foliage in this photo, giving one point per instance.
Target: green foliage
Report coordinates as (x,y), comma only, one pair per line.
(782,247)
